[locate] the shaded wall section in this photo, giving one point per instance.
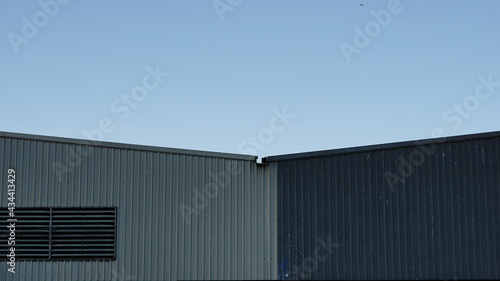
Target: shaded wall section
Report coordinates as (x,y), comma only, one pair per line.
(412,210)
(181,214)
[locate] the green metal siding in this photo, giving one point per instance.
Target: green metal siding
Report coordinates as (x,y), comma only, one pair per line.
(233,236)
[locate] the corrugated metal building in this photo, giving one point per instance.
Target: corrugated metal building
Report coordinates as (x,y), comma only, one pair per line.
(180,214)
(92,210)
(411,210)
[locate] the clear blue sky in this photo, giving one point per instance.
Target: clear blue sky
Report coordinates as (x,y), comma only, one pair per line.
(64,66)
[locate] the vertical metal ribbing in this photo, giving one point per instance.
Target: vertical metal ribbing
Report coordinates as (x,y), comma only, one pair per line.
(180,176)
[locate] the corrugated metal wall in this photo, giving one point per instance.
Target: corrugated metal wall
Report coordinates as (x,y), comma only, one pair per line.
(231,234)
(398,211)
(339,218)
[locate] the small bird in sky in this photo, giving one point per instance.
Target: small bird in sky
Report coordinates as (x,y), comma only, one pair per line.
(361,4)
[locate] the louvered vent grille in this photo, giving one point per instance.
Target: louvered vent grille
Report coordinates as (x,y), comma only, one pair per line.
(61,233)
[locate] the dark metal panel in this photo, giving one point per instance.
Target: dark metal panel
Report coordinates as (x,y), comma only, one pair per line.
(380,147)
(439,221)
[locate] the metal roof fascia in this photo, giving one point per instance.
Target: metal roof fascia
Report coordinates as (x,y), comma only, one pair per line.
(378,147)
(128,146)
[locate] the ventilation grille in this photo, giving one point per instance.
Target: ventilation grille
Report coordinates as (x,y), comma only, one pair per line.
(60,233)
